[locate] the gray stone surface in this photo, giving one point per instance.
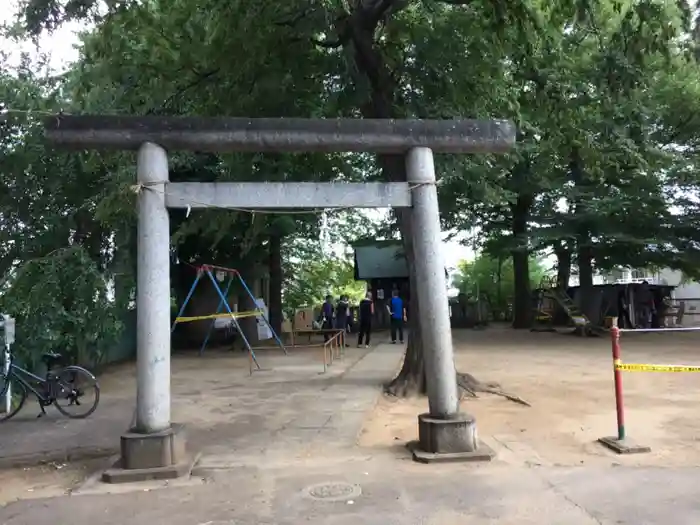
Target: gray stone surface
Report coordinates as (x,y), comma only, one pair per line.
(117,474)
(447,436)
(28,440)
(431,286)
(221,134)
(393,491)
(624,446)
(160,449)
(266,195)
(482,452)
(153,335)
(269,482)
(224,410)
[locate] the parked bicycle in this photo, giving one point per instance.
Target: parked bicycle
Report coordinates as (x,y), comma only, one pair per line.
(66,388)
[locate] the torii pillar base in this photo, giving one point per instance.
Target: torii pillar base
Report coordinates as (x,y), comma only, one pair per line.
(157,456)
(448,441)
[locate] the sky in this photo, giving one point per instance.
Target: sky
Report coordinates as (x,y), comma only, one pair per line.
(60,46)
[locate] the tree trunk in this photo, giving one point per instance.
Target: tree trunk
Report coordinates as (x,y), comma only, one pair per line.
(584,248)
(380,104)
(584,261)
(356,32)
(276,277)
(499,292)
(563,265)
(522,301)
(411,379)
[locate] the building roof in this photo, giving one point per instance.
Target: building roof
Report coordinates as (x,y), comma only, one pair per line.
(380,260)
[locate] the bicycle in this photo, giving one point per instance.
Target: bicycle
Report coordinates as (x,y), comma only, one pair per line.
(58,386)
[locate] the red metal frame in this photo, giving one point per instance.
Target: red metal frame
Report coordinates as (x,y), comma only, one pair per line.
(619,400)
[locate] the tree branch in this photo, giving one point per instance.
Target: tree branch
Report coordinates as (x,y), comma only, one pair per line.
(201,77)
(292,22)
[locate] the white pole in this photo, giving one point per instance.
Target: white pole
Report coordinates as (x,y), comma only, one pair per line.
(6,371)
(153,293)
(8,324)
(432,287)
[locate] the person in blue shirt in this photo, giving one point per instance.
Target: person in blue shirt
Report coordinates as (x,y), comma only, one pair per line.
(398,316)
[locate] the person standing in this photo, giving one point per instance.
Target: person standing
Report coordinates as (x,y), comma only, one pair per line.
(645,301)
(398,316)
(327,317)
(366,311)
(341,316)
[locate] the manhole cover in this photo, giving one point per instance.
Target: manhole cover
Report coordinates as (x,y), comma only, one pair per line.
(334,491)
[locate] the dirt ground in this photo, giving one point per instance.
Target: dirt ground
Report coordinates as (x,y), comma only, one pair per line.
(53,479)
(214,395)
(569,382)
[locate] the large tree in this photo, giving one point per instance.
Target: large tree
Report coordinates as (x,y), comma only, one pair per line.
(579,78)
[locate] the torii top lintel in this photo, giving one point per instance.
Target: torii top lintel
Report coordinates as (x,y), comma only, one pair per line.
(224,134)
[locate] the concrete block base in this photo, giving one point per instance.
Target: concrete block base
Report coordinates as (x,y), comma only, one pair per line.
(161,455)
(624,446)
(482,453)
(116,474)
(446,436)
(448,440)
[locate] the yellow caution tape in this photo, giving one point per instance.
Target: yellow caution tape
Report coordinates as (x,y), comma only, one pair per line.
(239,315)
(632,367)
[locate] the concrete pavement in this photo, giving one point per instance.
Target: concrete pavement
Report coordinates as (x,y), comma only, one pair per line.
(385,491)
(222,406)
(307,469)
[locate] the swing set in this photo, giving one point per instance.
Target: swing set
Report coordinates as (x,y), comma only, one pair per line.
(230,276)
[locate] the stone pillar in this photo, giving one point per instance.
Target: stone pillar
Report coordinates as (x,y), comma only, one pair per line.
(153,293)
(153,449)
(443,432)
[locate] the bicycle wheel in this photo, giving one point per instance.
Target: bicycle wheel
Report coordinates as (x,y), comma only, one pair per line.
(18,395)
(79,389)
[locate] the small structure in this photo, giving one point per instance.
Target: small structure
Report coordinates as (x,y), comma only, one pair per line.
(615,300)
(621,300)
(383,265)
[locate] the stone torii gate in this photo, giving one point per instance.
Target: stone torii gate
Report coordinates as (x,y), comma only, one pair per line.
(155,446)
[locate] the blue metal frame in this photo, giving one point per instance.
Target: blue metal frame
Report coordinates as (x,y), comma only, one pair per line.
(213,321)
(262,314)
(187,300)
(233,316)
(223,302)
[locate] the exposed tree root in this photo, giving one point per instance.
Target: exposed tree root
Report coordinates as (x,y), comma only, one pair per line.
(405,386)
(411,381)
(470,386)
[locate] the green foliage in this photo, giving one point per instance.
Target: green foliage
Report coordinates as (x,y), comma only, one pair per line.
(319,275)
(56,257)
(605,95)
(62,303)
(493,277)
